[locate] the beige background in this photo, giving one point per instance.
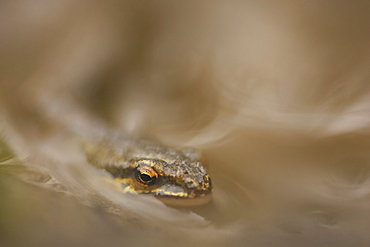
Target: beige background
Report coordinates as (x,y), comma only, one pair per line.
(275,93)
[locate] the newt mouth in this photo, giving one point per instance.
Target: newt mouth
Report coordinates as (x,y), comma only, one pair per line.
(186,201)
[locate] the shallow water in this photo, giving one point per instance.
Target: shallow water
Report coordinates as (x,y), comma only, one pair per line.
(271,192)
(275,95)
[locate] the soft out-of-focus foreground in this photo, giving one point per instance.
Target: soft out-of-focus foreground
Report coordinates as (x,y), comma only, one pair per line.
(275,93)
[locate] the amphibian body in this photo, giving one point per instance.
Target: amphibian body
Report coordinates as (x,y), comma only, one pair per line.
(175,176)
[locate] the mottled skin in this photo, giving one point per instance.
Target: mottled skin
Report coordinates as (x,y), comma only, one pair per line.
(175,176)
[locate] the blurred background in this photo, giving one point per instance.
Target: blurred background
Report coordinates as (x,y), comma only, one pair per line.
(276,95)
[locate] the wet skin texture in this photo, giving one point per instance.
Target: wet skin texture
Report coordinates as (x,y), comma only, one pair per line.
(175,176)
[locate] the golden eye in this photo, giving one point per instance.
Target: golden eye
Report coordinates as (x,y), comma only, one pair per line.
(145,175)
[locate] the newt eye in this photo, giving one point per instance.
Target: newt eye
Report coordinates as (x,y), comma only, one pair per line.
(146,175)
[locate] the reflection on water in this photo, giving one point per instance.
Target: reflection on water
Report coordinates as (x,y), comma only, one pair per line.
(276,95)
(306,194)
